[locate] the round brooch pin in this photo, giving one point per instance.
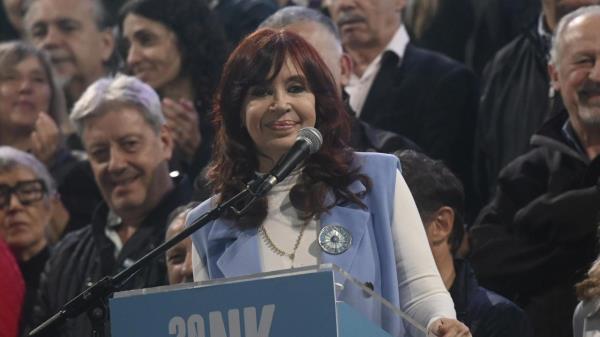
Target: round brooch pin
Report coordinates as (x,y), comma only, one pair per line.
(334,239)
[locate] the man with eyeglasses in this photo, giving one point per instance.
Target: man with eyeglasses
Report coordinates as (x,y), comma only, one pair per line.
(27,200)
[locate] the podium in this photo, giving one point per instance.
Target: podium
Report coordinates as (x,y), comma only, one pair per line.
(303,302)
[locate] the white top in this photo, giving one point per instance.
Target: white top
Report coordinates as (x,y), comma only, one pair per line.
(283,227)
(358,87)
(418,278)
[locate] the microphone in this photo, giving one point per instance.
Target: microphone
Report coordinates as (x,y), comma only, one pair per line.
(309,141)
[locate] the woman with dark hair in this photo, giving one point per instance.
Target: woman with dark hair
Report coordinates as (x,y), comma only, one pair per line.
(351,209)
(178,48)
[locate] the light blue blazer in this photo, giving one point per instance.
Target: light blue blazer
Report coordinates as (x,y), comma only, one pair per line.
(227,251)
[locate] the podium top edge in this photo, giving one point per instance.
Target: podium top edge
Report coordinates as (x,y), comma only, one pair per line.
(328,267)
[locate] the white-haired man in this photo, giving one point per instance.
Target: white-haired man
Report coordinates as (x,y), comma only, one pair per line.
(538,235)
(516,99)
(398,87)
(129,146)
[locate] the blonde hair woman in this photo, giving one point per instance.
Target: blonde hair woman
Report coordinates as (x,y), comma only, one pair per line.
(586,319)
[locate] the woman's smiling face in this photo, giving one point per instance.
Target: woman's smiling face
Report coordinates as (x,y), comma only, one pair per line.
(152,52)
(274,111)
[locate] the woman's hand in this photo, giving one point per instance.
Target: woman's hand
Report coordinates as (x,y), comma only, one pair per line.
(448,327)
(182,119)
(45,139)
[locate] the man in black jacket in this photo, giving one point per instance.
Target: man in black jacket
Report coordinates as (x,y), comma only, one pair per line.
(129,146)
(536,238)
(516,96)
(497,22)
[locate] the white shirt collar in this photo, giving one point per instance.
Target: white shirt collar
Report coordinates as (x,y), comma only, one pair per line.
(541,28)
(113,222)
(358,87)
(398,43)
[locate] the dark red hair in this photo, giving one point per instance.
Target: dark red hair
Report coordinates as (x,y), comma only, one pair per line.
(260,57)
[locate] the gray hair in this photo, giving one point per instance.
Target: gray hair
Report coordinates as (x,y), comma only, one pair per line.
(120,90)
(11,158)
(99,12)
(13,53)
(102,18)
(563,26)
(287,16)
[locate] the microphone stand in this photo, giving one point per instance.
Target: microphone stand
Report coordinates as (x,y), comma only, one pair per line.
(93,299)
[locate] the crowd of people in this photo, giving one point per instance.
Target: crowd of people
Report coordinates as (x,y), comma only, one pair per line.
(460,156)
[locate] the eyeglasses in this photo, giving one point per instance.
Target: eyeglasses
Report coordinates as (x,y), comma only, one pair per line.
(27,191)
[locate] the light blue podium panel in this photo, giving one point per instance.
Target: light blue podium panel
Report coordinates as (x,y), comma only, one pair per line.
(292,303)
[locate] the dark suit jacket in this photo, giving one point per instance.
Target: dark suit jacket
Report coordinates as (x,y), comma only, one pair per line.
(241,17)
(430,99)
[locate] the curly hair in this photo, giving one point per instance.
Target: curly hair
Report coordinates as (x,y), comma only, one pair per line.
(590,287)
(200,38)
(260,57)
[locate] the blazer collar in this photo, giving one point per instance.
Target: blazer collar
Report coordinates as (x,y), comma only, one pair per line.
(593,307)
(398,43)
(240,256)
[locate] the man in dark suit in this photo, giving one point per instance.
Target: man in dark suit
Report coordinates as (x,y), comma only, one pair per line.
(320,31)
(396,86)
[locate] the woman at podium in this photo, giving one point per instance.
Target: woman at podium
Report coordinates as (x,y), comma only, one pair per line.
(338,206)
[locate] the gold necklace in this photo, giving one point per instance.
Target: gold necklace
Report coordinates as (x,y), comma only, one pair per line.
(271,245)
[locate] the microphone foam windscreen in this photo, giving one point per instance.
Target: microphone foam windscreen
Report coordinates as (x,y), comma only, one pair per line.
(313,137)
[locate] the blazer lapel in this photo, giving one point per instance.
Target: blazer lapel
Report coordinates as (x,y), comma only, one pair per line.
(354,220)
(241,257)
(380,89)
